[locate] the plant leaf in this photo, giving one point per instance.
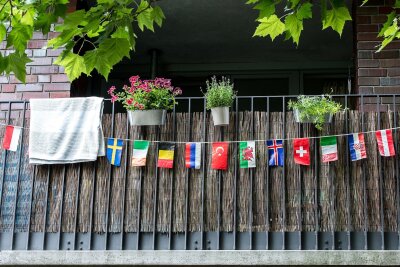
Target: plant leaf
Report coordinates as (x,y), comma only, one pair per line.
(16,63)
(271,26)
(19,37)
(336,18)
(294,26)
(74,64)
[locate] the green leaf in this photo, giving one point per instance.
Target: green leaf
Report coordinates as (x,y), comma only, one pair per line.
(158,15)
(305,11)
(266,7)
(397,4)
(294,26)
(65,36)
(114,49)
(28,17)
(3,63)
(294,3)
(17,64)
(388,23)
(3,32)
(145,19)
(251,2)
(336,18)
(74,64)
(94,59)
(271,26)
(19,37)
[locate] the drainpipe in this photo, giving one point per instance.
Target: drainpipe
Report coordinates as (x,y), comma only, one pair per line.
(154,62)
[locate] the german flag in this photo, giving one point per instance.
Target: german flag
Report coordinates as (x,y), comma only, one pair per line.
(166,155)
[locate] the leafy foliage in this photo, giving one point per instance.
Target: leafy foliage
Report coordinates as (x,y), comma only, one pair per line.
(147,94)
(107,29)
(219,93)
(315,108)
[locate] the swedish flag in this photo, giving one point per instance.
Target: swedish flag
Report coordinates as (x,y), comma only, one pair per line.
(114,151)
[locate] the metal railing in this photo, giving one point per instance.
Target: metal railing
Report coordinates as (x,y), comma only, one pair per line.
(95,206)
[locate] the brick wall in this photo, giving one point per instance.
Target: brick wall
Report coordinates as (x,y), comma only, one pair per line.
(376,72)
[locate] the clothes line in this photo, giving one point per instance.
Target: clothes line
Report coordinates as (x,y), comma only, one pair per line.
(237,141)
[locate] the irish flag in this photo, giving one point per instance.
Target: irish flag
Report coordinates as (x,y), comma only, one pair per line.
(11,138)
(140,149)
(329,148)
(247,154)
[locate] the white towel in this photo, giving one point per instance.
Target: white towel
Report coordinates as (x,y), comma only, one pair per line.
(66,130)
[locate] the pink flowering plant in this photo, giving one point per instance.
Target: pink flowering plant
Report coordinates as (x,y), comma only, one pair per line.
(146,94)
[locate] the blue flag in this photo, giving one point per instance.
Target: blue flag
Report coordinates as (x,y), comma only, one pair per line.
(275,152)
(114,151)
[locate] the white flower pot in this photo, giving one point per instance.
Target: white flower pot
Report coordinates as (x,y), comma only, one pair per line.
(147,117)
(296,112)
(220,116)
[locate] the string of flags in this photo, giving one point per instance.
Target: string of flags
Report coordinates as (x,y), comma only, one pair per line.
(220,150)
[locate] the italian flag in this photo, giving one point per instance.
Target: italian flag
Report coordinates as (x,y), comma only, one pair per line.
(247,154)
(140,149)
(329,148)
(11,138)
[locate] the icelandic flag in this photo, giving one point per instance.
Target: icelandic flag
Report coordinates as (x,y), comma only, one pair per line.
(385,143)
(357,146)
(114,151)
(275,152)
(11,138)
(193,155)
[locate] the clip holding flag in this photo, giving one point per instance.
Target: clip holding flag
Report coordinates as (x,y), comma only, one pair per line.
(11,138)
(114,151)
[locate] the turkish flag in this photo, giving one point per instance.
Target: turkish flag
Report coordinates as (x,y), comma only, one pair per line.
(301,147)
(219,156)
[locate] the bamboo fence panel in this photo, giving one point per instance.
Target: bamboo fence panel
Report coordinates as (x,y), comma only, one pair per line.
(70,198)
(86,197)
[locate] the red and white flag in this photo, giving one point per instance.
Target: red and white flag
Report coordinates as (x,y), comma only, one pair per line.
(11,138)
(301,147)
(385,143)
(219,159)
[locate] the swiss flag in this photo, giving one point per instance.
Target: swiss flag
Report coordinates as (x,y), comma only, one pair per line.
(301,147)
(219,156)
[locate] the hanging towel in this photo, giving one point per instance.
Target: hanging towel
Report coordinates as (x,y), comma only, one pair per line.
(66,130)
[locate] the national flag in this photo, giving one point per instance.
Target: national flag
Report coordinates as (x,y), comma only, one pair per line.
(275,152)
(11,138)
(301,147)
(140,149)
(193,155)
(385,143)
(219,160)
(247,154)
(166,155)
(329,148)
(114,151)
(357,146)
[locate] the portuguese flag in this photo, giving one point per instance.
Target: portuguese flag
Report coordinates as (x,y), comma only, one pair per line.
(329,148)
(247,154)
(166,155)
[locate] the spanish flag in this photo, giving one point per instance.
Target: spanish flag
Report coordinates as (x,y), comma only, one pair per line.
(166,155)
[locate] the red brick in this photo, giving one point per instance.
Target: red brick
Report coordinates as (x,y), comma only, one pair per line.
(367,10)
(392,72)
(29,87)
(44,69)
(363,54)
(387,89)
(54,52)
(4,79)
(37,44)
(368,63)
(8,88)
(368,81)
(385,10)
(363,19)
(53,35)
(366,90)
(370,3)
(40,61)
(372,72)
(389,63)
(57,87)
(378,19)
(368,28)
(59,94)
(59,78)
(30,95)
(368,36)
(28,79)
(39,36)
(44,78)
(367,45)
(10,96)
(39,52)
(387,54)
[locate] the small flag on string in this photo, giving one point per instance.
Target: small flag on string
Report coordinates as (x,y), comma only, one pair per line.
(357,146)
(247,152)
(166,155)
(329,148)
(11,138)
(385,143)
(301,147)
(193,155)
(114,151)
(219,160)
(140,149)
(275,152)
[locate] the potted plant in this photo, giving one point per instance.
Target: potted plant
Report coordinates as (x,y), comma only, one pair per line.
(146,101)
(219,97)
(314,109)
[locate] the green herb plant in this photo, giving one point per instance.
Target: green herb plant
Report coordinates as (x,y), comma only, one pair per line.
(315,108)
(219,93)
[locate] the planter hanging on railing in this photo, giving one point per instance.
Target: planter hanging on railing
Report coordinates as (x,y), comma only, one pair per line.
(297,117)
(220,116)
(146,117)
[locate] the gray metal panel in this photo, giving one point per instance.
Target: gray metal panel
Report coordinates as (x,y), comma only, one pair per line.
(292,241)
(67,241)
(275,241)
(161,241)
(391,241)
(308,240)
(178,241)
(83,241)
(259,241)
(211,240)
(114,241)
(51,241)
(242,241)
(146,241)
(341,240)
(325,241)
(374,241)
(194,241)
(36,241)
(98,241)
(20,240)
(357,240)
(6,240)
(130,241)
